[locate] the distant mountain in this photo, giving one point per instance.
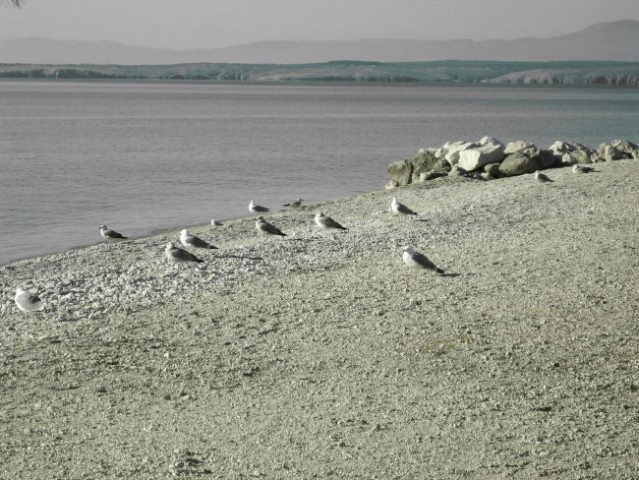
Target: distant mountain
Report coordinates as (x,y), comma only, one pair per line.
(612,41)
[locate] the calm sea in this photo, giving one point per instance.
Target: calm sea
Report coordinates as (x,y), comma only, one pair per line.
(142,157)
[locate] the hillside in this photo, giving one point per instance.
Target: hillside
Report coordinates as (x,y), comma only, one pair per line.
(610,41)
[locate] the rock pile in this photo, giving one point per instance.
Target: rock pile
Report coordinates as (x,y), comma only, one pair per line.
(489,158)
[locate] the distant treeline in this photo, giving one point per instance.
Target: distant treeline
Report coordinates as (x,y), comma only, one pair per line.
(441,72)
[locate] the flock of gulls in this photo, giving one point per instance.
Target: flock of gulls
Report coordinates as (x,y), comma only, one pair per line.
(27,301)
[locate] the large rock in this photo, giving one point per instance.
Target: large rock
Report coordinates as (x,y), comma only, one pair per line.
(517,146)
(526,161)
(474,158)
(618,150)
(491,171)
(568,153)
(401,171)
(426,161)
(453,149)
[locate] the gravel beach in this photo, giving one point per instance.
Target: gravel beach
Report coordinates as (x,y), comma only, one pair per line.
(321,355)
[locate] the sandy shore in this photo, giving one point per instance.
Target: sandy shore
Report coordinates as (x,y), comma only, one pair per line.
(320,355)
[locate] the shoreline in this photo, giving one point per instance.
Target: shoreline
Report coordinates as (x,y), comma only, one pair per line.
(321,354)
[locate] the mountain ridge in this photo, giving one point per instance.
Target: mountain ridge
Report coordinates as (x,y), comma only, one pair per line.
(606,41)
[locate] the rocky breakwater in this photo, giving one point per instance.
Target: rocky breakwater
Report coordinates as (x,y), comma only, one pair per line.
(488,159)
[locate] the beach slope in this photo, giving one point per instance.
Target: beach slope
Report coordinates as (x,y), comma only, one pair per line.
(321,355)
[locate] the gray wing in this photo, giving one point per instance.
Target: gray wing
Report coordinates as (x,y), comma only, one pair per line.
(330,223)
(272,229)
(401,208)
(425,262)
(199,243)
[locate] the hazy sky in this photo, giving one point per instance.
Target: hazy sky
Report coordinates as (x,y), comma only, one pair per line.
(187,24)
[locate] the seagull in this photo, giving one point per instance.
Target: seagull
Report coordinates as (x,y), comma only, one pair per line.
(327,222)
(256,208)
(27,301)
(418,260)
(177,255)
(577,168)
(296,204)
(110,235)
(398,208)
(264,227)
(215,223)
(540,177)
(189,240)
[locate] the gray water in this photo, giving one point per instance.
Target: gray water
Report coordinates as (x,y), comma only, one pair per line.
(143,157)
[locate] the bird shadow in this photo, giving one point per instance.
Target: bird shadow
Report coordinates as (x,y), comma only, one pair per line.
(450,274)
(457,274)
(242,257)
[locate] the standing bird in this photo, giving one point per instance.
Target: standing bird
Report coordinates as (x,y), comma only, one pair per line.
(577,168)
(110,235)
(296,204)
(189,240)
(257,208)
(264,227)
(327,222)
(177,255)
(27,301)
(398,208)
(540,177)
(418,260)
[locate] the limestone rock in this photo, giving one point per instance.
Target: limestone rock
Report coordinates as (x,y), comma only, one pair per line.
(475,158)
(457,171)
(426,161)
(425,176)
(401,171)
(624,149)
(391,185)
(526,161)
(453,149)
(569,153)
(492,171)
(516,146)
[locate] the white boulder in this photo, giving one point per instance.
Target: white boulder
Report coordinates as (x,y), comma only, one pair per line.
(474,158)
(517,146)
(452,150)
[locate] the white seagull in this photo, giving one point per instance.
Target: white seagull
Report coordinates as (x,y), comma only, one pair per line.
(253,208)
(264,227)
(177,255)
(398,208)
(577,168)
(27,301)
(327,222)
(418,260)
(110,235)
(189,240)
(296,204)
(215,223)
(540,177)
